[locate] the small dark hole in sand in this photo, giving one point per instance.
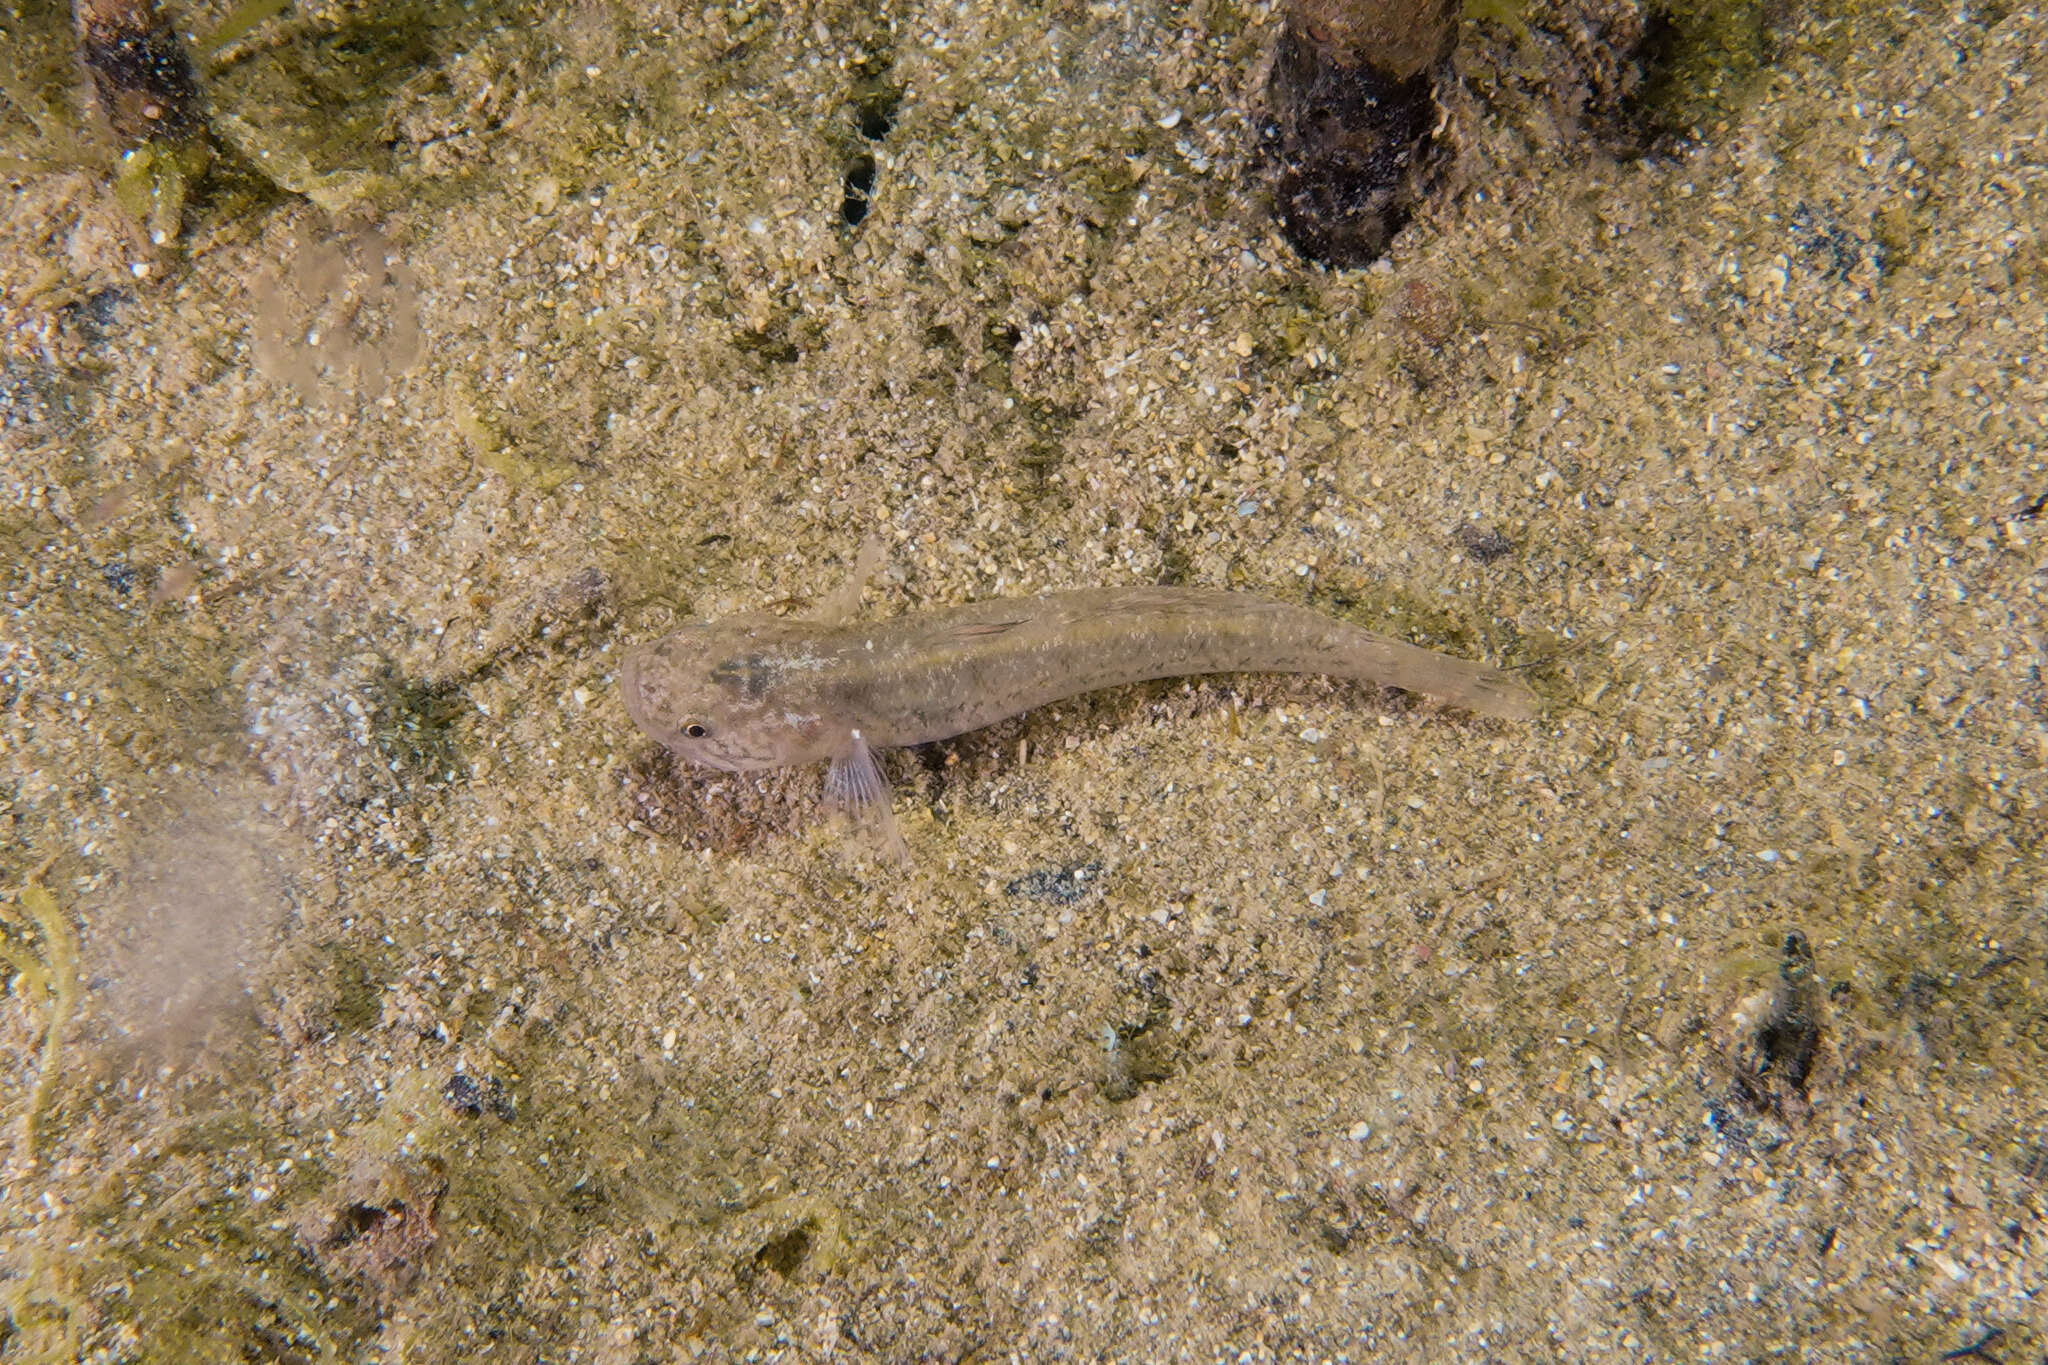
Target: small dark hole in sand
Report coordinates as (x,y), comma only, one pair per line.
(874,110)
(860,187)
(358,1219)
(785,1255)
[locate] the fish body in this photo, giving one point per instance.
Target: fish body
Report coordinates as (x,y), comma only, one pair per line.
(761,692)
(754,692)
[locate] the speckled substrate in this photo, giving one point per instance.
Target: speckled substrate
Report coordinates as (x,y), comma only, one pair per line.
(427,1015)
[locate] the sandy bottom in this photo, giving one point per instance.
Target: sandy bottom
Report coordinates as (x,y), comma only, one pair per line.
(380,993)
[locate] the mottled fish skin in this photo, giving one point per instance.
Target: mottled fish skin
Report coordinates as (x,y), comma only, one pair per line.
(762,692)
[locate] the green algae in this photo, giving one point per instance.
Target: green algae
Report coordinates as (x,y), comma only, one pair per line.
(1509,14)
(239,23)
(154,180)
(153,1252)
(32,93)
(38,944)
(285,161)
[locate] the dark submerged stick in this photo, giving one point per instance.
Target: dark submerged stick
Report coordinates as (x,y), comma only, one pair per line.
(149,92)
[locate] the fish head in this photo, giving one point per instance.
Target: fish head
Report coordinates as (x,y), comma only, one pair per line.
(712,693)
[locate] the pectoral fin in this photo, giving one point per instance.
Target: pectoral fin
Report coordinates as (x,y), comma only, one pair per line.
(855,785)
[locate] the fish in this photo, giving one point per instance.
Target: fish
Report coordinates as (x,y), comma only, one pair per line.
(758,691)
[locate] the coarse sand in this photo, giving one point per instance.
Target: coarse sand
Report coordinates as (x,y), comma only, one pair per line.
(380,993)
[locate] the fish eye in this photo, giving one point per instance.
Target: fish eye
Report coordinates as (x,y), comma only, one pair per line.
(695,731)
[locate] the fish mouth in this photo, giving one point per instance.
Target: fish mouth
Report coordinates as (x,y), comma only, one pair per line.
(640,707)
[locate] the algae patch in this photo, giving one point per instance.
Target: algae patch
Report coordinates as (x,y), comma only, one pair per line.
(39,946)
